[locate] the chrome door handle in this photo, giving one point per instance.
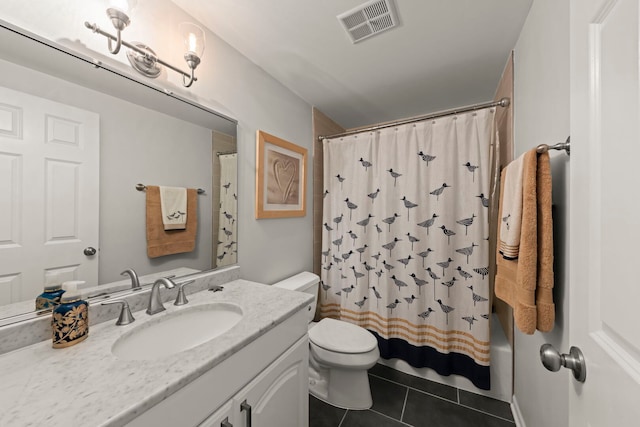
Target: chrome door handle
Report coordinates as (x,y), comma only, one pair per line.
(553,361)
(244,406)
(89,251)
(226,423)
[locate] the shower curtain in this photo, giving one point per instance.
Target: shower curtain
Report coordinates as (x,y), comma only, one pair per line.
(405,250)
(227,252)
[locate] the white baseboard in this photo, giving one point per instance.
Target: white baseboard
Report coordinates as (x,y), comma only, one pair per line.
(517,415)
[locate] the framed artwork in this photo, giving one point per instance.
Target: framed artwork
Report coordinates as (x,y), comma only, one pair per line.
(280,178)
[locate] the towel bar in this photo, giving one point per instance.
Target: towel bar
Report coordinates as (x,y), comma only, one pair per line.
(566,146)
(142,187)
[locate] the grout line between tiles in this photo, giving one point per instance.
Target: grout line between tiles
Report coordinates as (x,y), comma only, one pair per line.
(391,418)
(343,417)
(487,413)
(440,397)
(413,388)
(404,404)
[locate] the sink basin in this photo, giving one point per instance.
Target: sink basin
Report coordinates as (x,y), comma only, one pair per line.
(178,331)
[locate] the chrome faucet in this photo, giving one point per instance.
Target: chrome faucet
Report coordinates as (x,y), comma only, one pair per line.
(135,283)
(155,303)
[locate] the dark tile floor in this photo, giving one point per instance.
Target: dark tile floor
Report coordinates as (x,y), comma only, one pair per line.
(404,400)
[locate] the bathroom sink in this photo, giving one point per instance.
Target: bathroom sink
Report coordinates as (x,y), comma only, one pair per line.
(174,332)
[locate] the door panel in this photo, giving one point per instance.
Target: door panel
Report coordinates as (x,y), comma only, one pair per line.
(61,200)
(10,173)
(605,108)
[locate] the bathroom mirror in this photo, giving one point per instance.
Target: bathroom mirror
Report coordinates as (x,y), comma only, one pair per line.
(146,135)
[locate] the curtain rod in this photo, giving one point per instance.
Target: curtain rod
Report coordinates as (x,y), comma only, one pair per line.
(504,102)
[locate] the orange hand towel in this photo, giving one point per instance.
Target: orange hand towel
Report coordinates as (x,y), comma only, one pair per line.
(526,283)
(161,242)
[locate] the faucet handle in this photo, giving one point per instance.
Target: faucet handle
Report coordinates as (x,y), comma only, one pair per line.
(125,312)
(181,299)
(135,283)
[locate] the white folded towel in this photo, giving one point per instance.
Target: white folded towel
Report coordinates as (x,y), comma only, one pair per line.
(511,221)
(173,203)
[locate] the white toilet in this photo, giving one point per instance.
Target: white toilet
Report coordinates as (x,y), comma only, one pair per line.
(340,353)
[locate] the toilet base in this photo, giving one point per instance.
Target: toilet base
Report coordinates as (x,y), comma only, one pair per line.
(342,388)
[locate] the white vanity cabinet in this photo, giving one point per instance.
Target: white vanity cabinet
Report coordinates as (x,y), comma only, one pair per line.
(277,397)
(270,375)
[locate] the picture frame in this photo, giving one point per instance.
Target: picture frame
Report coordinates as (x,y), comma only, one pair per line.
(281,169)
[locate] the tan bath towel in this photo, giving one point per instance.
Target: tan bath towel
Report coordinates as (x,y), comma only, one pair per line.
(526,284)
(161,242)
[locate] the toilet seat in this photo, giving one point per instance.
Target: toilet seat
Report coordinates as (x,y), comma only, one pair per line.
(342,337)
(349,361)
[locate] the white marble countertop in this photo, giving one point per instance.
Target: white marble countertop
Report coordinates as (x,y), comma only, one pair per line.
(86,385)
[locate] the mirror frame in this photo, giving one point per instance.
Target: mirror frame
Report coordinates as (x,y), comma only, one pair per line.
(24,48)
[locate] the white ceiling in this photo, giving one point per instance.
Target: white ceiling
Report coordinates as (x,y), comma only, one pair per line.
(444,54)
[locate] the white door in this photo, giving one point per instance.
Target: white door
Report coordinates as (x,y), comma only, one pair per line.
(605,207)
(49,194)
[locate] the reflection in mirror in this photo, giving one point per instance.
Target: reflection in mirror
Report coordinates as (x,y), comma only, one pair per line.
(225,199)
(70,158)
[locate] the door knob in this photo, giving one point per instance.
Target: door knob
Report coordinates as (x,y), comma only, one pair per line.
(89,251)
(553,361)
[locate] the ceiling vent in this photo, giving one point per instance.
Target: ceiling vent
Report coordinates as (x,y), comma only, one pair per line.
(369,19)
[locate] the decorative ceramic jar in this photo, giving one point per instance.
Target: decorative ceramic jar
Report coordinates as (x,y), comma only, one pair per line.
(70,321)
(50,297)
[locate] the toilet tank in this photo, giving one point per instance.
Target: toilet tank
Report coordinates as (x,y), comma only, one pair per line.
(303,282)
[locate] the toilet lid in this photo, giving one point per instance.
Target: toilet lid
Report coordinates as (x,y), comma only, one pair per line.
(342,337)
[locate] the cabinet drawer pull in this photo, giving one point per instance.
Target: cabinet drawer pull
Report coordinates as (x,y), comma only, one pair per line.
(244,406)
(226,423)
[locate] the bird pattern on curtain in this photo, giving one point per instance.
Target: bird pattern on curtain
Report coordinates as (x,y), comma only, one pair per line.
(227,249)
(405,249)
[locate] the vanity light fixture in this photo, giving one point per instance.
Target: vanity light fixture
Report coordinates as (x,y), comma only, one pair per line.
(141,57)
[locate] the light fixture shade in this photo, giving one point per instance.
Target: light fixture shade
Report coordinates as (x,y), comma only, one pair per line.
(193,38)
(124,6)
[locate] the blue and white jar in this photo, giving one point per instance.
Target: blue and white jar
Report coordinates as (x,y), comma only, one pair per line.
(50,298)
(70,322)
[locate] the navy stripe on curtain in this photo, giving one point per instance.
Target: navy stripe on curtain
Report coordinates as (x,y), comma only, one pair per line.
(428,357)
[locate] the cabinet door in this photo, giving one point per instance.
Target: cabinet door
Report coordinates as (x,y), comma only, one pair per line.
(221,416)
(278,397)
